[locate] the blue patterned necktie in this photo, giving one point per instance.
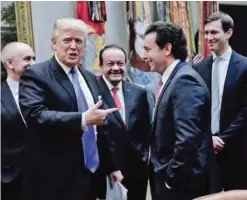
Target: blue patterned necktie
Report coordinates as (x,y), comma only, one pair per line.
(215,107)
(91,156)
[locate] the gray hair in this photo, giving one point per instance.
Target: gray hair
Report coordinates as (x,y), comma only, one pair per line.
(10,50)
(69,23)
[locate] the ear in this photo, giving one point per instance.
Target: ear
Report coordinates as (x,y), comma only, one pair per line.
(9,63)
(54,42)
(168,49)
(229,33)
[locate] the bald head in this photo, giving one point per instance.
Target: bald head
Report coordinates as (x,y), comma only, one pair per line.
(16,57)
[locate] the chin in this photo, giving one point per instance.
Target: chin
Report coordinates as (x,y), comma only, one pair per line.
(152,69)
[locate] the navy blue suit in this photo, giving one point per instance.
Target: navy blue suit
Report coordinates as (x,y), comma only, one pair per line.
(56,169)
(232,159)
(181,141)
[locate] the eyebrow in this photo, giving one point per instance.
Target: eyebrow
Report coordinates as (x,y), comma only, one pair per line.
(29,57)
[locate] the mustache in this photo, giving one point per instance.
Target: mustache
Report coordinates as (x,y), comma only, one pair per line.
(120,71)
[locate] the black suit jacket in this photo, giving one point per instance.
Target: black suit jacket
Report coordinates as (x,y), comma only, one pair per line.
(182,145)
(132,139)
(232,117)
(12,136)
(56,163)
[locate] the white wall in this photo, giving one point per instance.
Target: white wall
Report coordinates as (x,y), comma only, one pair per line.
(116,26)
(44,14)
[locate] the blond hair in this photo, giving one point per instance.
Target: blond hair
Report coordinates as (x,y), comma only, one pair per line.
(69,23)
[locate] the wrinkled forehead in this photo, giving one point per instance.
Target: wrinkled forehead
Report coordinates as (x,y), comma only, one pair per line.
(71,32)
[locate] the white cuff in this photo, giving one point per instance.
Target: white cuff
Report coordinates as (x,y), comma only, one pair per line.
(167,186)
(83,122)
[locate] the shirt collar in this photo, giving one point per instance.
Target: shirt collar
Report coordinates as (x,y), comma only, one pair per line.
(110,86)
(169,70)
(225,56)
(13,84)
(64,67)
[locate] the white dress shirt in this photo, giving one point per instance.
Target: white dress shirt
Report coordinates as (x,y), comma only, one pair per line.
(83,84)
(223,64)
(14,88)
(119,93)
(167,73)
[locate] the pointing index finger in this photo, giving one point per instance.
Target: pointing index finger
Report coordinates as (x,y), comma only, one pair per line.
(111,110)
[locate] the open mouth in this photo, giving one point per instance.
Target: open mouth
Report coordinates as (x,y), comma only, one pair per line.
(73,55)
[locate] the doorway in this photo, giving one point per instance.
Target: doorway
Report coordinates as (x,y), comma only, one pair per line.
(238,40)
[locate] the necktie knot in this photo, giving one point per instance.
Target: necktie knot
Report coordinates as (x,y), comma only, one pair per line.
(73,71)
(217,59)
(114,90)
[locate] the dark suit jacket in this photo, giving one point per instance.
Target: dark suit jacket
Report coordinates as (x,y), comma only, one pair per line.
(56,167)
(182,145)
(12,136)
(232,117)
(132,139)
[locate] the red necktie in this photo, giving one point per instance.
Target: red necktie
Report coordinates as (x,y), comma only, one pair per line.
(158,90)
(116,98)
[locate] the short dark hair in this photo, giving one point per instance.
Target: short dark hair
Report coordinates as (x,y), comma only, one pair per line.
(110,46)
(226,20)
(167,32)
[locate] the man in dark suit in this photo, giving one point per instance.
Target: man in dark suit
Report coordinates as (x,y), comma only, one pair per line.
(225,73)
(130,126)
(16,57)
(58,100)
(181,146)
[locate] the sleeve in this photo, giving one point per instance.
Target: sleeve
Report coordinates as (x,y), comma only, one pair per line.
(240,120)
(34,103)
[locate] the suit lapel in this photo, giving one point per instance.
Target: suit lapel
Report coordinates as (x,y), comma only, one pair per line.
(9,102)
(91,83)
(230,75)
(207,72)
(128,97)
(109,99)
(63,79)
(179,65)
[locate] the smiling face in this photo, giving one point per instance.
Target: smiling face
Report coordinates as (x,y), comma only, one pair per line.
(155,56)
(217,39)
(113,66)
(20,59)
(69,46)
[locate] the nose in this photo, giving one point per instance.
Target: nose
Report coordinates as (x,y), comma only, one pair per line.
(32,61)
(144,56)
(73,44)
(115,66)
(208,36)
